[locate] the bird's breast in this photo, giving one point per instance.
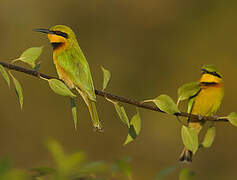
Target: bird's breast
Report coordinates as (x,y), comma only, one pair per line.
(62,73)
(208,101)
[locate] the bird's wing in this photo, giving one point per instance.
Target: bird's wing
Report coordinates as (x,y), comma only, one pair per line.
(191,102)
(75,65)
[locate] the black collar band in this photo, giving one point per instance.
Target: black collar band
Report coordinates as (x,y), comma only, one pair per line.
(56,45)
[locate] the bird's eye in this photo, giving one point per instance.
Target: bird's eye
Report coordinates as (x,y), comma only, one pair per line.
(58,32)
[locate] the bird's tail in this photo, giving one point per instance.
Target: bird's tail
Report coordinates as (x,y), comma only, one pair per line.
(186,156)
(92,109)
(94,115)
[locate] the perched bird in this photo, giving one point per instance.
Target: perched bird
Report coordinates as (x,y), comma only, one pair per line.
(72,66)
(206,102)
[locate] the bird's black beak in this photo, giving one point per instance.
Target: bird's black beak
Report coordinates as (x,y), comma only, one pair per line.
(46,31)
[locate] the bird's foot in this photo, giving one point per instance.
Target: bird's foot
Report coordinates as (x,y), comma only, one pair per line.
(216,117)
(98,129)
(200,117)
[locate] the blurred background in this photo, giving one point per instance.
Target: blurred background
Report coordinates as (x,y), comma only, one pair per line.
(150,47)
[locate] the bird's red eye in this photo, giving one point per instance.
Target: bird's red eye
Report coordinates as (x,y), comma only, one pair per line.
(58,32)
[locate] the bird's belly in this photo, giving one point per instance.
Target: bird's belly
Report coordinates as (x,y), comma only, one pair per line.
(64,76)
(207,102)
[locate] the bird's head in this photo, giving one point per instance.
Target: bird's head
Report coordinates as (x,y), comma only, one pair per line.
(210,74)
(59,35)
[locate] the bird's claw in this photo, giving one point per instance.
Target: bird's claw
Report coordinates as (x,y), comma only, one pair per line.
(200,117)
(216,117)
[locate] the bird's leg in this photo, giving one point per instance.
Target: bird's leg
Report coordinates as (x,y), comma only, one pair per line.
(216,117)
(200,117)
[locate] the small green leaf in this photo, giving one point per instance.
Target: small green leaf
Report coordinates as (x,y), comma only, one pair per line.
(135,128)
(232,117)
(65,164)
(123,166)
(188,90)
(94,167)
(5,166)
(43,171)
(73,161)
(16,174)
(186,174)
(209,137)
(165,103)
(18,89)
(122,113)
(5,75)
(106,75)
(30,55)
(165,172)
(190,138)
(56,151)
(74,112)
(60,88)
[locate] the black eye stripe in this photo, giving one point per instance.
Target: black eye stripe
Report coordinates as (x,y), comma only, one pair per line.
(212,73)
(59,33)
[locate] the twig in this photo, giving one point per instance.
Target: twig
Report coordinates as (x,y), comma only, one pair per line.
(193,118)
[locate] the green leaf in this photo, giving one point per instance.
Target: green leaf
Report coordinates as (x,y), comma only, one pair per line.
(165,103)
(74,112)
(5,165)
(186,174)
(5,75)
(18,89)
(30,55)
(188,90)
(43,171)
(60,88)
(94,167)
(190,138)
(56,151)
(232,117)
(16,174)
(209,137)
(106,75)
(123,166)
(165,172)
(122,113)
(65,164)
(135,128)
(73,161)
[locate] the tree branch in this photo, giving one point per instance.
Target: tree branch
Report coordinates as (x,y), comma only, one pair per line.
(193,118)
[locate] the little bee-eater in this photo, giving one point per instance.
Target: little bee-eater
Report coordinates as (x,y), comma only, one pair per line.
(206,102)
(72,66)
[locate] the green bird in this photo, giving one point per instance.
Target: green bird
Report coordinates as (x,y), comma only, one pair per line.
(72,66)
(206,102)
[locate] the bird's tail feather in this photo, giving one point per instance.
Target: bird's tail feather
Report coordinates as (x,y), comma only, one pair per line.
(186,156)
(92,109)
(94,115)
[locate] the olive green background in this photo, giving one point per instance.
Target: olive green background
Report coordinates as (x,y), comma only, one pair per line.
(151,47)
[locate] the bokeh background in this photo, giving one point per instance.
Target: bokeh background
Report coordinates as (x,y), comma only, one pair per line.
(150,47)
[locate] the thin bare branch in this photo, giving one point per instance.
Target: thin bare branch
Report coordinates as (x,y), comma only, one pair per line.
(193,118)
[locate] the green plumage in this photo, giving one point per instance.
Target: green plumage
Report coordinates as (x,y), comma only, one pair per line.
(72,66)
